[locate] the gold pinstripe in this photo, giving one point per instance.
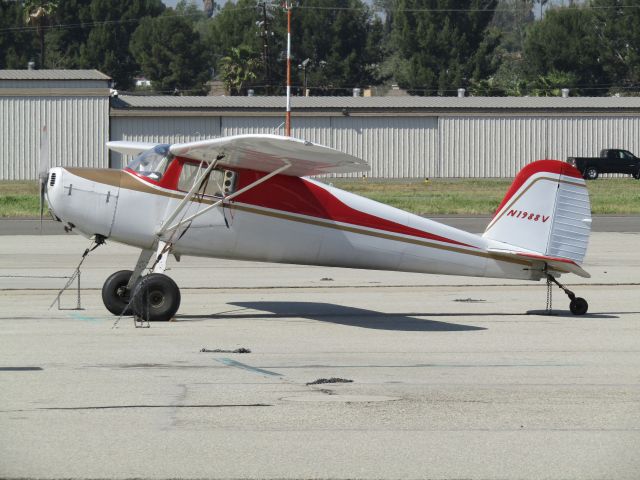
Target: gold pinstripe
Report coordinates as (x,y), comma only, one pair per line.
(130,182)
(504,210)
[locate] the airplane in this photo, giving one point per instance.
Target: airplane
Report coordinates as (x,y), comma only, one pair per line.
(250,197)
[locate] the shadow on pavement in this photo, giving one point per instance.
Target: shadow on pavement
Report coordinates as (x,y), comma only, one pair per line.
(568,314)
(339,314)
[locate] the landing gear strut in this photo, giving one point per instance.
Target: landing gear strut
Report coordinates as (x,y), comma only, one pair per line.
(578,305)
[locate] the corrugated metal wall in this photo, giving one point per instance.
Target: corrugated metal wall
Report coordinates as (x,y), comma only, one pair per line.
(586,136)
(466,145)
(78,129)
(489,146)
(395,147)
(484,146)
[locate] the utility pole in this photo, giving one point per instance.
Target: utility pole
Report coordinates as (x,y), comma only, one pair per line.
(265,33)
(287,123)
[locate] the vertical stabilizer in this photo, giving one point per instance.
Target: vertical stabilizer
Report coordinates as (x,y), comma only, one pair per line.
(546,211)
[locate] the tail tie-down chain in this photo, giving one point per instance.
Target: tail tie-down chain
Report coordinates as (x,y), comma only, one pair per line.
(549,296)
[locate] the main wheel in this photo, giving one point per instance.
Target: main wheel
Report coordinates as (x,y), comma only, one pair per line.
(578,306)
(591,173)
(114,293)
(156,298)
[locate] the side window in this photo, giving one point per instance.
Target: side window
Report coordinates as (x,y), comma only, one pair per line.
(219,182)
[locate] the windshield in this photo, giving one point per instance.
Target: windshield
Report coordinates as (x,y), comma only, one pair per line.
(152,163)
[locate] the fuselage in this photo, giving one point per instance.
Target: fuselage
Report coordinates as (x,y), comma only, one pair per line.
(286,219)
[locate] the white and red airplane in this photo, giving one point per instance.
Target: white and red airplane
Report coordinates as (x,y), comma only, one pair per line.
(248,197)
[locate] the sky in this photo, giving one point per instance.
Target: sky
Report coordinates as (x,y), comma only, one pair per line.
(172,3)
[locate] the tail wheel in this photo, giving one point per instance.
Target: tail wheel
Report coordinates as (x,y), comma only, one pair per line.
(578,306)
(591,173)
(156,298)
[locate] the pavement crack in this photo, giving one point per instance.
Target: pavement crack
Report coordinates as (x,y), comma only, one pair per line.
(120,407)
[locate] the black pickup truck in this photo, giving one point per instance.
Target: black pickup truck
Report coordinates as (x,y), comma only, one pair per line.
(610,161)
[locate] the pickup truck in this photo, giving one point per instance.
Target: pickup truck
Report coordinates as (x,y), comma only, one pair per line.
(610,161)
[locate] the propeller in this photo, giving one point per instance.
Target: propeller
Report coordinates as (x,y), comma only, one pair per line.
(43,169)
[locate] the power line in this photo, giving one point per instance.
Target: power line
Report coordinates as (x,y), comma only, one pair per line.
(301,7)
(64,26)
(422,88)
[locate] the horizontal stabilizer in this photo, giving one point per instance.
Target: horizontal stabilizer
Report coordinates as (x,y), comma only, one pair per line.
(553,264)
(266,153)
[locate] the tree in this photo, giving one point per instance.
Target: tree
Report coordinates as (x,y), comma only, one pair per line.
(38,13)
(342,39)
(238,68)
(235,25)
(17,44)
(564,41)
(100,36)
(209,7)
(441,45)
(551,84)
(171,54)
(513,18)
(618,38)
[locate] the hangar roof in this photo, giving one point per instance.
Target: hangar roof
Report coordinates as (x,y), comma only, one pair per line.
(53,75)
(375,103)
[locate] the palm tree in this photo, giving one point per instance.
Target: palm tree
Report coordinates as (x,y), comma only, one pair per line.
(238,68)
(38,13)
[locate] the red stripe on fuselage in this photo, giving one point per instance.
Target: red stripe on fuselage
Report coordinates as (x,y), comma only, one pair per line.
(299,196)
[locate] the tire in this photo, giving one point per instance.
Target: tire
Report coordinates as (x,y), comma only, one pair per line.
(591,173)
(114,296)
(156,298)
(578,306)
(636,174)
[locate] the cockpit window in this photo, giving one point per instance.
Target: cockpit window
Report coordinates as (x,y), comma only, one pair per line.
(218,183)
(152,163)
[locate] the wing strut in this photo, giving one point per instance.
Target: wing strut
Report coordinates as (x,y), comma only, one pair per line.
(196,185)
(164,228)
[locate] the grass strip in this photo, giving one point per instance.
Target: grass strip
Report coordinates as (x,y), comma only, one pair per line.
(19,199)
(609,196)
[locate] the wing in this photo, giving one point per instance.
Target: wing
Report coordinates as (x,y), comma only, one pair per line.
(267,153)
(130,148)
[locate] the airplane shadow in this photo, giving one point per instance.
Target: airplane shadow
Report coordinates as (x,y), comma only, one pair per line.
(339,314)
(568,314)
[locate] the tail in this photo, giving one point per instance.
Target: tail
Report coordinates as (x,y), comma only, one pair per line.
(545,215)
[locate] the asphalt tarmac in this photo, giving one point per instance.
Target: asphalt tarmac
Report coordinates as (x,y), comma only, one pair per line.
(451,377)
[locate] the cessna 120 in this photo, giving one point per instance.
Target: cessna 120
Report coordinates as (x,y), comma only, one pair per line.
(248,197)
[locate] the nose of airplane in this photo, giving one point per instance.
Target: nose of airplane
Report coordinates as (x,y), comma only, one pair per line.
(84,198)
(53,188)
